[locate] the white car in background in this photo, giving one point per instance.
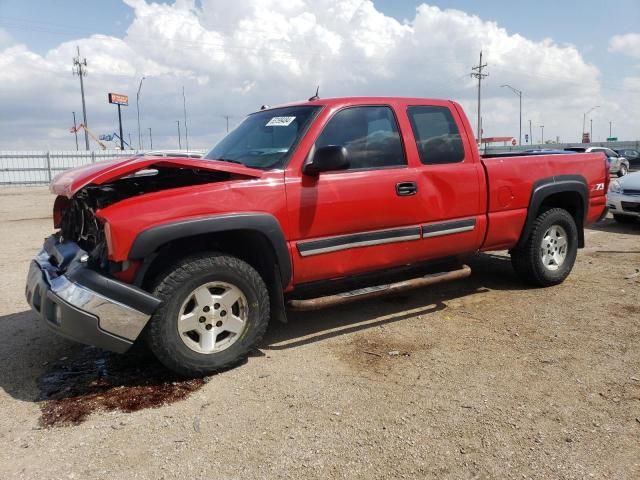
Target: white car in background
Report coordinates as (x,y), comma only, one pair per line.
(623,198)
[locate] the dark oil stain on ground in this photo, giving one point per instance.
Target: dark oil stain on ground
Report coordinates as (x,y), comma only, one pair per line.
(632,309)
(94,380)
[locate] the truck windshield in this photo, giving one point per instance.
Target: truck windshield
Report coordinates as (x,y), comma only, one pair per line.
(264,139)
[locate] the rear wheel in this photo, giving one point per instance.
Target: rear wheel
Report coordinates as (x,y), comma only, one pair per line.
(548,255)
(215,309)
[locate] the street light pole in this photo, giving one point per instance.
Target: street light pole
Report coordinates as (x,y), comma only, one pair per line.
(584,119)
(591,129)
(530,133)
(179,139)
(150,139)
(519,93)
(138,111)
(610,134)
(542,134)
(186,128)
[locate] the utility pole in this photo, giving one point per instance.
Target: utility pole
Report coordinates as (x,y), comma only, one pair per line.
(80,69)
(519,93)
(542,134)
(186,129)
(477,73)
(179,140)
(150,139)
(75,130)
(591,129)
(130,146)
(530,133)
(227,118)
(138,110)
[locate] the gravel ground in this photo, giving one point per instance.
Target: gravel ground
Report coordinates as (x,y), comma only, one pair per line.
(486,379)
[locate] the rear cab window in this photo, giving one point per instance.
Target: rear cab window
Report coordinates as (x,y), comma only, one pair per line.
(436,134)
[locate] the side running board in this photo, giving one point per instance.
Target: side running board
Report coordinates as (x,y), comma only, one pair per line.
(379,290)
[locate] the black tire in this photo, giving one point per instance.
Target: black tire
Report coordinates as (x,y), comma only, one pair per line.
(175,286)
(624,218)
(527,261)
(623,170)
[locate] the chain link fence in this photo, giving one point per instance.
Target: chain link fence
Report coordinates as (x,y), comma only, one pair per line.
(25,168)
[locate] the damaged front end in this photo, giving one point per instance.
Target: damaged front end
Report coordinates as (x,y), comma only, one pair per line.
(77,217)
(72,284)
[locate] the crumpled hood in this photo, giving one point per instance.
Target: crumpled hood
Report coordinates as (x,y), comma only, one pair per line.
(70,181)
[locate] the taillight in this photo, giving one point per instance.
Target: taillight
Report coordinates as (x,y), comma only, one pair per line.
(59,206)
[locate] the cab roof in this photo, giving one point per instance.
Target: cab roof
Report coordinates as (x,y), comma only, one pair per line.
(342,101)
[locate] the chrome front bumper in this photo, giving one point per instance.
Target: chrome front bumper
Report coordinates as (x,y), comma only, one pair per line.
(79,303)
(621,204)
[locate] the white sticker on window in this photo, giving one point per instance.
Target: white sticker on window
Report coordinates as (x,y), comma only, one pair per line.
(280,121)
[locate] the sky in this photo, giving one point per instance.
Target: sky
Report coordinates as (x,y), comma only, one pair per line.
(565,56)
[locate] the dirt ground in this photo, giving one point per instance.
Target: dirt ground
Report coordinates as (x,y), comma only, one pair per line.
(482,378)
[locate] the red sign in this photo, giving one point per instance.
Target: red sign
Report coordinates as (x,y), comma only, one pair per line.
(118,99)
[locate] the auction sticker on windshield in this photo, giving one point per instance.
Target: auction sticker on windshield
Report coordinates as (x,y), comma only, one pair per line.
(280,121)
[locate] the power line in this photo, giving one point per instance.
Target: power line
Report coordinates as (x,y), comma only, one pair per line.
(80,69)
(477,73)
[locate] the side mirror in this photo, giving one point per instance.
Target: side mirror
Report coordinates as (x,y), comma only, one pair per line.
(326,159)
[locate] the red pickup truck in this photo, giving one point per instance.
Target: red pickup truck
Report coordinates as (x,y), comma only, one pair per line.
(299,202)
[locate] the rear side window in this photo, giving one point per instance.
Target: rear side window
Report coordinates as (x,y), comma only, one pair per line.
(370,135)
(436,133)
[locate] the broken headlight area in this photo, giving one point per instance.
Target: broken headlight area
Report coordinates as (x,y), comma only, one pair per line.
(76,217)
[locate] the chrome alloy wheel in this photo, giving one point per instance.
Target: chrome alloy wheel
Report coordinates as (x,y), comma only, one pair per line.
(553,249)
(213,317)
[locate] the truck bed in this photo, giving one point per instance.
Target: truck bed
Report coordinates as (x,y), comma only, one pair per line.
(512,179)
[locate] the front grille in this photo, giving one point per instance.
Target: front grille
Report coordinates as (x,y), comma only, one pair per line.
(631,207)
(631,191)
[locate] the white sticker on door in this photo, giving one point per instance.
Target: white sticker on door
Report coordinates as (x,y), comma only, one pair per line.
(280,121)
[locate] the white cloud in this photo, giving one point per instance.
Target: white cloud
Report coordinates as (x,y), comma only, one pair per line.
(233,57)
(628,44)
(5,39)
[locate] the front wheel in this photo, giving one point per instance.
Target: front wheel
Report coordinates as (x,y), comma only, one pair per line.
(214,310)
(548,255)
(623,170)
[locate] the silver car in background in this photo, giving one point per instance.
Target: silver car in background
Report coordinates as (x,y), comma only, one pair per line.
(623,198)
(617,164)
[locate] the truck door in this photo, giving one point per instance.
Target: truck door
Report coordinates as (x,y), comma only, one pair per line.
(450,181)
(360,219)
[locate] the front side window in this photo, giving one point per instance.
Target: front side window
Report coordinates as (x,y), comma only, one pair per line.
(265,139)
(370,135)
(436,133)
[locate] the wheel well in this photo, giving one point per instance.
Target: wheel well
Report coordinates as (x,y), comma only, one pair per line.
(249,245)
(572,202)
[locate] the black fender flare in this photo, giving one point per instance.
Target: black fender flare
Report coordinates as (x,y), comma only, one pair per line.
(544,188)
(149,241)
